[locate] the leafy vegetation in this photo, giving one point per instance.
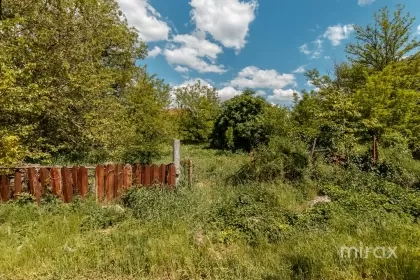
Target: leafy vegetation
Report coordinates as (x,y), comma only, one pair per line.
(276,191)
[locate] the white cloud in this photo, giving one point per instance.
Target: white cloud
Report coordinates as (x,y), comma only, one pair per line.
(281,96)
(310,84)
(418,29)
(260,93)
(314,52)
(305,49)
(155,52)
(337,33)
(195,52)
(226,21)
(253,77)
(145,19)
(193,82)
(204,47)
(327,57)
(365,2)
(300,69)
(228,92)
(181,69)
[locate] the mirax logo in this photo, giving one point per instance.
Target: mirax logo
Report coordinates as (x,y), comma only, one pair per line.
(364,252)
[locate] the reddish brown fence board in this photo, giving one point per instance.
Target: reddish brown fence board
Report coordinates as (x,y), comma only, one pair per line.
(118,179)
(4,188)
(18,183)
(137,173)
(154,179)
(110,181)
(34,184)
(74,180)
(67,184)
(83,181)
(31,173)
(171,175)
(146,176)
(55,181)
(99,182)
(44,179)
(127,176)
(162,174)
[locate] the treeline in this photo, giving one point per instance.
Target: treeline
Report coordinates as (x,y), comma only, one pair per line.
(365,114)
(70,89)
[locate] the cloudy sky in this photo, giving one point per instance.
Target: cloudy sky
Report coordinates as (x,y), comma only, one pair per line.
(261,44)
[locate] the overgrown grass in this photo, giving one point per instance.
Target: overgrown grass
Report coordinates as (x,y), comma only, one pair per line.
(214,230)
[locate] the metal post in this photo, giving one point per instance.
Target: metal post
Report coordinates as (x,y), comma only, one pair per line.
(177,158)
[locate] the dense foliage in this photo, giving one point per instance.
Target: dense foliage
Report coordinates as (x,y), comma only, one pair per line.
(199,105)
(67,80)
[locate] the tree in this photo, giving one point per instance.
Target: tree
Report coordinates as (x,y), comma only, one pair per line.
(388,104)
(199,105)
(389,40)
(242,123)
(59,62)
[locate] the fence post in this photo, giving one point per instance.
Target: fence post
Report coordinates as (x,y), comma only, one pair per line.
(177,159)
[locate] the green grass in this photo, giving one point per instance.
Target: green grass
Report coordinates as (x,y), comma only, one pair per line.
(211,231)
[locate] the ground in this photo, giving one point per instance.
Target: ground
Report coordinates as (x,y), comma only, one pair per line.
(214,229)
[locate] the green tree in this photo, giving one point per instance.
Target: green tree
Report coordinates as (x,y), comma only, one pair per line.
(389,40)
(242,123)
(59,62)
(388,103)
(199,105)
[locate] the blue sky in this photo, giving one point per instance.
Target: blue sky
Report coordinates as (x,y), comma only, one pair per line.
(261,44)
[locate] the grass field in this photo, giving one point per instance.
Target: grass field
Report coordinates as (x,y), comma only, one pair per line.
(215,230)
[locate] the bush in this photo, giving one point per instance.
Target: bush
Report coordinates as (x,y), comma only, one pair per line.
(241,123)
(253,215)
(282,158)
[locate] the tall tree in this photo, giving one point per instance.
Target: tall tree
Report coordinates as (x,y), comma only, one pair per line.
(58,61)
(387,41)
(199,106)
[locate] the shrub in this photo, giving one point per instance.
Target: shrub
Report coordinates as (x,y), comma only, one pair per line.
(254,215)
(282,158)
(241,123)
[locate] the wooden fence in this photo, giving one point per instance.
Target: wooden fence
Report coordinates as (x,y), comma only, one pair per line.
(66,182)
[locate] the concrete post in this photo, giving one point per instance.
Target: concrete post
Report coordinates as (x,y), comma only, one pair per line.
(177,158)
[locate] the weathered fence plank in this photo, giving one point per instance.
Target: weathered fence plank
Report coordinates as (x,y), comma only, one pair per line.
(162,174)
(146,176)
(34,184)
(83,181)
(30,172)
(154,169)
(44,179)
(74,180)
(17,183)
(110,182)
(4,188)
(67,184)
(127,177)
(99,183)
(55,181)
(137,173)
(171,176)
(118,179)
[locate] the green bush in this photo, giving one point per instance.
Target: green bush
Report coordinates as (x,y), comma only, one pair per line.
(241,124)
(254,214)
(282,158)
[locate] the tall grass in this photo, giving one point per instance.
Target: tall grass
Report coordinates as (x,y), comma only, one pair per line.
(213,231)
